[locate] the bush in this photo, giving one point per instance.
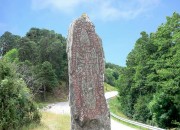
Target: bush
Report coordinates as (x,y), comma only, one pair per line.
(17,107)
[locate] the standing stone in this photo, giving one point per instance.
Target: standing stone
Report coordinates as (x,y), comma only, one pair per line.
(88,105)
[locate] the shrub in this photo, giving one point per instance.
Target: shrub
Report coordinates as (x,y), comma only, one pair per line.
(17,107)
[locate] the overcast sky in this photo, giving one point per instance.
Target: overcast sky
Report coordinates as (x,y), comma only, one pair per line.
(117,22)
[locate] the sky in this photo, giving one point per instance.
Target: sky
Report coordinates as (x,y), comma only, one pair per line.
(118,22)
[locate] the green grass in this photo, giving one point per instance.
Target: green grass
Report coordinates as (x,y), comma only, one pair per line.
(109,88)
(51,121)
(115,108)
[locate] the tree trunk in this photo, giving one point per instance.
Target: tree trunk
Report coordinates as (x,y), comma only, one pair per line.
(44,93)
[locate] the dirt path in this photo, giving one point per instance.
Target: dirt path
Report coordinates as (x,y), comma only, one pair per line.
(63,108)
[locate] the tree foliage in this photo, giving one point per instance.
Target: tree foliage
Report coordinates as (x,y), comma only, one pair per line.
(11,56)
(46,75)
(112,73)
(149,86)
(8,41)
(40,47)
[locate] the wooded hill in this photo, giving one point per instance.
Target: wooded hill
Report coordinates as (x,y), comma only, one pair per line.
(40,57)
(149,87)
(30,66)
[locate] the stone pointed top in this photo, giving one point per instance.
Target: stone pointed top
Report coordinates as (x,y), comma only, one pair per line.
(85,17)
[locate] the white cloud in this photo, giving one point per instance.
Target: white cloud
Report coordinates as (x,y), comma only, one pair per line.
(99,9)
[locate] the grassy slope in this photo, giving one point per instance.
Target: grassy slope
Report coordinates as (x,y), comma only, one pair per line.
(115,108)
(51,121)
(109,88)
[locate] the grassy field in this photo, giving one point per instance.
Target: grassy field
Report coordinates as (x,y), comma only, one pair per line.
(51,121)
(115,108)
(109,88)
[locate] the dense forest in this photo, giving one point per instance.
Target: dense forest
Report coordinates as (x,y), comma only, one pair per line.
(149,86)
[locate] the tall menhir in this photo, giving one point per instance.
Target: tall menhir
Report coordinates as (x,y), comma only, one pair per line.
(88,105)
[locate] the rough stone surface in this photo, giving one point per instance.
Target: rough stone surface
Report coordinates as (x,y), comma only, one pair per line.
(89,109)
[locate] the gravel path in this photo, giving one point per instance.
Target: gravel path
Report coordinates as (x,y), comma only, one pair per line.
(59,108)
(63,108)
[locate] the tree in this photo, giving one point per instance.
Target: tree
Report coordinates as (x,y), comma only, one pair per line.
(109,78)
(164,106)
(11,56)
(46,77)
(27,73)
(126,98)
(141,111)
(165,109)
(50,47)
(8,41)
(112,73)
(27,50)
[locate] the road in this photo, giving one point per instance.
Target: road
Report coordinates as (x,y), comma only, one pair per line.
(63,108)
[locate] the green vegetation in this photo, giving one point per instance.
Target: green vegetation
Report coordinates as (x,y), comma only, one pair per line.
(115,108)
(50,121)
(40,57)
(109,88)
(149,87)
(112,73)
(17,106)
(32,67)
(58,94)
